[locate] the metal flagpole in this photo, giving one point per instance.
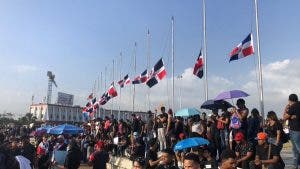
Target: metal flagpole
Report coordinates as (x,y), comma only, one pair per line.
(120,66)
(134,67)
(180,99)
(105,72)
(260,81)
(173,63)
(204,51)
(148,65)
(113,78)
(101,88)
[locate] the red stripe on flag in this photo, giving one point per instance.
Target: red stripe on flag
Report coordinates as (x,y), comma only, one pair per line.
(248,51)
(162,74)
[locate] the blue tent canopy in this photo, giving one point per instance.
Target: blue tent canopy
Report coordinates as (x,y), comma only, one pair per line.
(65,129)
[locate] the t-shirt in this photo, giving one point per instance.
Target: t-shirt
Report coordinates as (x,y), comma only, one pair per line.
(151,155)
(163,124)
(294,123)
(272,130)
(99,160)
(243,149)
(263,152)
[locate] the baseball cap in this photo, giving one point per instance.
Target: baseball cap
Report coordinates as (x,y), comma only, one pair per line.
(100,145)
(261,136)
(181,135)
(239,136)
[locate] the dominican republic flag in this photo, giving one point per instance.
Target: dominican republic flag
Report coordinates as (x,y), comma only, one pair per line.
(198,68)
(104,99)
(124,81)
(243,49)
(142,78)
(90,96)
(157,73)
(112,92)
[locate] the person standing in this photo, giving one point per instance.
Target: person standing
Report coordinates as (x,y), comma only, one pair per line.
(292,114)
(100,157)
(274,130)
(73,158)
(161,128)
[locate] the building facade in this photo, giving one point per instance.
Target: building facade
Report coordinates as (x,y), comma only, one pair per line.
(61,113)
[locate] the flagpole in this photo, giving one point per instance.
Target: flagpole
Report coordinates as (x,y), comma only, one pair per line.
(113,78)
(260,81)
(148,65)
(173,63)
(101,88)
(105,72)
(120,87)
(204,50)
(134,67)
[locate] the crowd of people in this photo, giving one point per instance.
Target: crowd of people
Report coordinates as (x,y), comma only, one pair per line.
(237,138)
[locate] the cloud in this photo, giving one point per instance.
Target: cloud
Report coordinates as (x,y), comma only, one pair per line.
(280,79)
(24,68)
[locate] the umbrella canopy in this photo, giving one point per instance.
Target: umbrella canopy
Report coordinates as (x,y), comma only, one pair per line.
(231,94)
(44,128)
(65,129)
(190,142)
(187,112)
(215,104)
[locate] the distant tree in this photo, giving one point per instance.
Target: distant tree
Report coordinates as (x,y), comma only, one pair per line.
(27,119)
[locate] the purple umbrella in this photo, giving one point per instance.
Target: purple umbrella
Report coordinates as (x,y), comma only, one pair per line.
(231,94)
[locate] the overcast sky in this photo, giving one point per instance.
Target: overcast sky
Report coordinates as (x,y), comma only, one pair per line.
(77,39)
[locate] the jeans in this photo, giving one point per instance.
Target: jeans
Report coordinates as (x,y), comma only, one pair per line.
(161,132)
(224,138)
(295,139)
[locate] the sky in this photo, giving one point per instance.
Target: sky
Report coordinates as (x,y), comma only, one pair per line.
(77,40)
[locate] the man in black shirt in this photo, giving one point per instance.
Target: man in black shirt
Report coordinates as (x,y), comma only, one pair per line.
(266,154)
(292,113)
(152,159)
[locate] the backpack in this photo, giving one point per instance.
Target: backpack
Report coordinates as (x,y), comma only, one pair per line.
(235,122)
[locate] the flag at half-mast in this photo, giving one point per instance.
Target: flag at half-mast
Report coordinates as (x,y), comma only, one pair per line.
(157,73)
(124,81)
(112,91)
(198,68)
(245,48)
(142,78)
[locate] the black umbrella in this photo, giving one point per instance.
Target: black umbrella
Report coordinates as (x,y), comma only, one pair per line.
(215,104)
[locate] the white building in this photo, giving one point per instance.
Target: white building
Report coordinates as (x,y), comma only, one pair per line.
(61,113)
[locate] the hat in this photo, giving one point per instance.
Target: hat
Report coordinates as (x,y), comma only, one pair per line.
(181,135)
(239,136)
(100,145)
(261,136)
